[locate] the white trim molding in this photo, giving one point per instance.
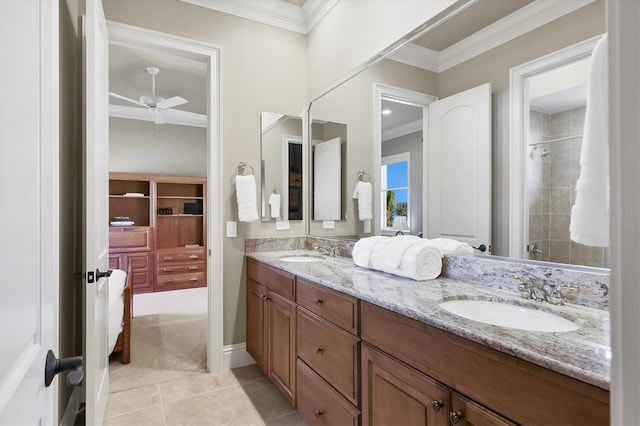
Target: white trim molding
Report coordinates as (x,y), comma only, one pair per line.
(235,356)
(403,129)
(277,13)
(518,135)
(73,407)
(418,56)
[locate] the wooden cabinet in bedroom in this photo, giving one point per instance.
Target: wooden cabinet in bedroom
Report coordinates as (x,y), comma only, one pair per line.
(158,226)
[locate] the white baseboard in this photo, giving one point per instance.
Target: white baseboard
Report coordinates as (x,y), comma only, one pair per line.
(236,355)
(73,406)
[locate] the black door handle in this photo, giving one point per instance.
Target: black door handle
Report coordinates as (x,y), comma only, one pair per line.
(482,248)
(54,366)
(103,274)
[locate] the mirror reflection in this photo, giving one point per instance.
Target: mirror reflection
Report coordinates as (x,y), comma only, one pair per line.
(328,152)
(281,167)
(446,61)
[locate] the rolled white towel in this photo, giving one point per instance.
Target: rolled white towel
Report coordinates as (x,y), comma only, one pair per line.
(395,249)
(246,197)
(117,281)
(421,261)
(377,258)
(361,252)
(449,244)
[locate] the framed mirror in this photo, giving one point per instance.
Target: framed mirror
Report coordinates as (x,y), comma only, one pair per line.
(281,167)
(477,45)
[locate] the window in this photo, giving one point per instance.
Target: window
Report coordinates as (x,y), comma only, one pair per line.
(395,192)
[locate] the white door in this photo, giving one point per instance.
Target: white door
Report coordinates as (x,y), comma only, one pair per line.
(327,178)
(28,209)
(459,167)
(96,84)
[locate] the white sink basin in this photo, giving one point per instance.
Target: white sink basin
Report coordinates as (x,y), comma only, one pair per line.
(301,258)
(508,315)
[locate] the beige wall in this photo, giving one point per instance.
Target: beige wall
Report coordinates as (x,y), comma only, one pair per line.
(262,69)
(70,291)
(493,67)
(143,147)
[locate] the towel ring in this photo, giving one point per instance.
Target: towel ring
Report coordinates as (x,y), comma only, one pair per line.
(242,166)
(362,174)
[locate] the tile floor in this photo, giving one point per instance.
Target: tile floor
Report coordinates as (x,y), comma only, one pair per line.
(243,396)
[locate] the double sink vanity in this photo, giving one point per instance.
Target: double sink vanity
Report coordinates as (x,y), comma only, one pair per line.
(348,345)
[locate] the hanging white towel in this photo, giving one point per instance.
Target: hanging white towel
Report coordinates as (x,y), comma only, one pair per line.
(363,192)
(590,215)
(246,197)
(274,204)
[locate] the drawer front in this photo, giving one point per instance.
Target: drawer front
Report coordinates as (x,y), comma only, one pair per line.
(331,352)
(338,308)
(180,268)
(181,281)
(278,281)
(170,257)
(139,261)
(319,404)
(129,239)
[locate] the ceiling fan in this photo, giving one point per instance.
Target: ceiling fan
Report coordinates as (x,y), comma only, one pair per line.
(155,108)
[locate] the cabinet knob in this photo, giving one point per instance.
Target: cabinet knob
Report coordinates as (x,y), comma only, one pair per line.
(456,417)
(319,301)
(319,349)
(318,413)
(437,404)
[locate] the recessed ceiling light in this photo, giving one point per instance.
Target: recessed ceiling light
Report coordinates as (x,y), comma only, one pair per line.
(386,111)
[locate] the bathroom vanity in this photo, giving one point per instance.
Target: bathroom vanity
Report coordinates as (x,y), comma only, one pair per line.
(346,345)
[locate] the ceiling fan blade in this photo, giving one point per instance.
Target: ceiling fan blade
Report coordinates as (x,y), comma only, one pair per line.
(185,118)
(135,113)
(161,117)
(171,102)
(124,98)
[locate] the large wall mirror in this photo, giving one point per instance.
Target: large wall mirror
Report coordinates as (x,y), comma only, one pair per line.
(281,170)
(475,47)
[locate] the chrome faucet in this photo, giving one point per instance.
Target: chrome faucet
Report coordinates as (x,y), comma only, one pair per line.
(327,251)
(544,292)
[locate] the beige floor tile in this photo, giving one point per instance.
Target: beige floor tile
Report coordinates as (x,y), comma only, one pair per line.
(132,400)
(196,385)
(147,417)
(228,406)
(291,419)
(266,399)
(248,373)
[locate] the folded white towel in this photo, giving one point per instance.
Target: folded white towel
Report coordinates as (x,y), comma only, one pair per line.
(362,249)
(449,244)
(395,249)
(274,203)
(363,192)
(246,197)
(589,215)
(421,261)
(117,281)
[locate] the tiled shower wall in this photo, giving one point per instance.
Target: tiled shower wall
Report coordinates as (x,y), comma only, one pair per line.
(554,168)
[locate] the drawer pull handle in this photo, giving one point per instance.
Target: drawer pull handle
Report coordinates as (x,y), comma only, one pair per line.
(167,258)
(193,268)
(167,269)
(456,417)
(264,297)
(437,404)
(193,256)
(318,413)
(319,349)
(319,301)
(193,279)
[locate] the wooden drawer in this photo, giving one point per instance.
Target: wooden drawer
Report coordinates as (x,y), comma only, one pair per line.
(319,404)
(521,391)
(338,308)
(181,281)
(183,256)
(131,239)
(331,352)
(181,268)
(278,281)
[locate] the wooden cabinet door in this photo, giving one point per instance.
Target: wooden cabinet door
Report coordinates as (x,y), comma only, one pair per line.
(281,345)
(256,323)
(141,271)
(465,412)
(395,394)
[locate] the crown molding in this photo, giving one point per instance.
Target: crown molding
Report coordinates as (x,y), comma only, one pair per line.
(276,13)
(530,17)
(417,56)
(403,129)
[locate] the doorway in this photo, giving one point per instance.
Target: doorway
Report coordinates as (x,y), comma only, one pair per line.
(206,55)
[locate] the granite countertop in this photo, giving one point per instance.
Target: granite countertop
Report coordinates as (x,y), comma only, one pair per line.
(584,354)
